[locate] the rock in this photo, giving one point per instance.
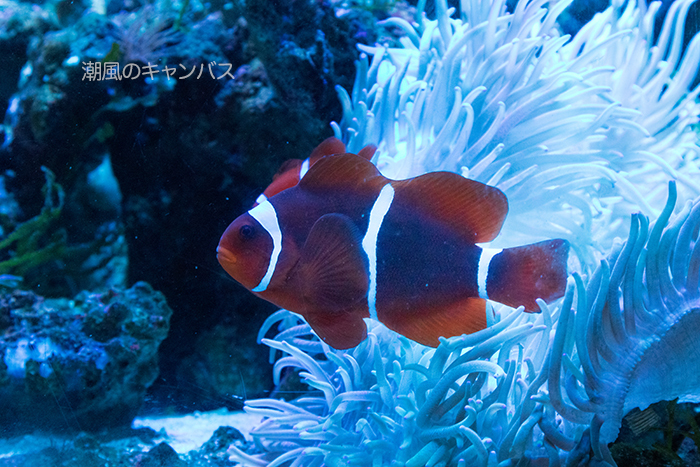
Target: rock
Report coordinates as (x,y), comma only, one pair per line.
(81,364)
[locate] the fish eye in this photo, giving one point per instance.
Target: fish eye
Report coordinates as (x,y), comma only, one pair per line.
(246,232)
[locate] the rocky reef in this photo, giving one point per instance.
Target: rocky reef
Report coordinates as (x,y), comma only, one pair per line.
(152,168)
(81,364)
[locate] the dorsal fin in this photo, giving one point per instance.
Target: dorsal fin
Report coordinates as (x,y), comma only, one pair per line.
(288,165)
(328,147)
(367,152)
(474,211)
(342,171)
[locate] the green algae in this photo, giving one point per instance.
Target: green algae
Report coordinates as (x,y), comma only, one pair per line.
(26,246)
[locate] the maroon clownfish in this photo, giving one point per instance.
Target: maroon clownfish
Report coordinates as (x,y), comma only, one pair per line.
(346,243)
(293,170)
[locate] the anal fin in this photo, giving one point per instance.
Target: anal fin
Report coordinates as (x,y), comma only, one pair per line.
(426,326)
(343,330)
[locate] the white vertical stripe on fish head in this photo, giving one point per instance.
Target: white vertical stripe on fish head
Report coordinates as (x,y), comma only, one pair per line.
(261,199)
(369,242)
(266,215)
(487,255)
(304,168)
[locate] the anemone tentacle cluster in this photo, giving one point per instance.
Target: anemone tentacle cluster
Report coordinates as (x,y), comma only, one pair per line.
(578,132)
(551,386)
(633,336)
(391,400)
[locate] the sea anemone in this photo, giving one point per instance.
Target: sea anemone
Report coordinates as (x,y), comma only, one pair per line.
(145,36)
(392,400)
(578,132)
(632,340)
(549,386)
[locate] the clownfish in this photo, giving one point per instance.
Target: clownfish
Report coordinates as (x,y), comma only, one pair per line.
(293,170)
(346,243)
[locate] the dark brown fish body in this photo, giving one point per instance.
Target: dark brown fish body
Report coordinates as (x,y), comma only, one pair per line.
(347,243)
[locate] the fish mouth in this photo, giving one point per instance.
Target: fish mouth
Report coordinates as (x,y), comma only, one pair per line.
(225,257)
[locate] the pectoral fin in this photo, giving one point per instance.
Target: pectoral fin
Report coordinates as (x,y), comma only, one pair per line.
(333,278)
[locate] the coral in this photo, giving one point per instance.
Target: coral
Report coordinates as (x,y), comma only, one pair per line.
(19,22)
(161,454)
(250,90)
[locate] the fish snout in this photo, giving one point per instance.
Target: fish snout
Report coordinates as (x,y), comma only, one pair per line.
(226,258)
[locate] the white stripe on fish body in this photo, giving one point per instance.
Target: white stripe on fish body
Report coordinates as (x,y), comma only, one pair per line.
(487,255)
(261,199)
(304,168)
(369,242)
(491,318)
(266,215)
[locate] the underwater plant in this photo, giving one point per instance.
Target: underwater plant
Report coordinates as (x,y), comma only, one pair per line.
(28,240)
(37,252)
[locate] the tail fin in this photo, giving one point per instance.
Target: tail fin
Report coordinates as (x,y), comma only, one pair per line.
(517,276)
